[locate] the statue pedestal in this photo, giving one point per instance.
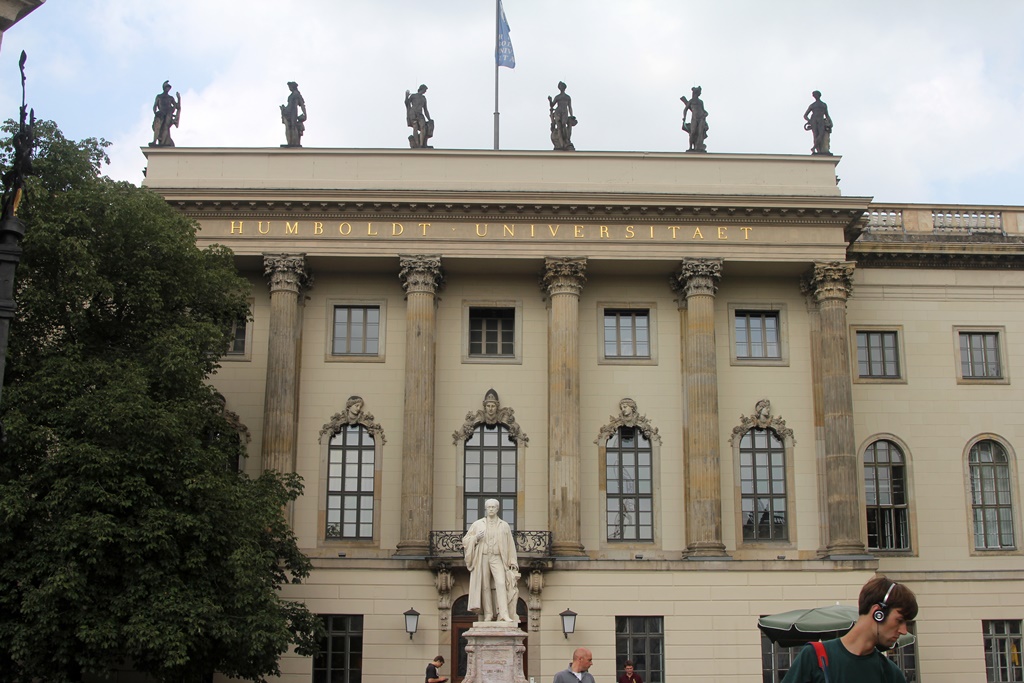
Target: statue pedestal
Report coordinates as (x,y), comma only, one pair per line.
(494,653)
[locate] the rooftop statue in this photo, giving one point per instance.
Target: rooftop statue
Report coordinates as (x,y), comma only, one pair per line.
(293,116)
(819,123)
(562,119)
(166,113)
(418,118)
(697,126)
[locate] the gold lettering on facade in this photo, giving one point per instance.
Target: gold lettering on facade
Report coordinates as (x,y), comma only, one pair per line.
(652,232)
(604,232)
(554,230)
(673,228)
(424,226)
(233,226)
(481,234)
(531,229)
(509,230)
(397,229)
(291,229)
(722,232)
(318,228)
(261,230)
(629,232)
(577,231)
(697,233)
(370,231)
(746,233)
(345,229)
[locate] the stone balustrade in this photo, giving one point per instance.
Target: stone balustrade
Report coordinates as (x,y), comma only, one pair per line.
(946,220)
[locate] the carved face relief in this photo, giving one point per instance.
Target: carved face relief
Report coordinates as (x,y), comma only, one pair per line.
(490,408)
(625,409)
(355,408)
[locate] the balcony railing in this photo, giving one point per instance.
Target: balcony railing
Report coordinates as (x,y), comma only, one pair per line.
(943,220)
(968,221)
(530,543)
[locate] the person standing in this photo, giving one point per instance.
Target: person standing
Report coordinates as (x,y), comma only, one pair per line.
(629,676)
(884,610)
(493,565)
(579,670)
(432,675)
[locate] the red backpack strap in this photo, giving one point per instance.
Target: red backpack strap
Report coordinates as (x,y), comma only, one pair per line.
(821,657)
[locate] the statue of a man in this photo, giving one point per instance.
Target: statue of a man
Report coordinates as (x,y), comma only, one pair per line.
(697,126)
(293,116)
(562,119)
(493,566)
(418,118)
(166,113)
(819,123)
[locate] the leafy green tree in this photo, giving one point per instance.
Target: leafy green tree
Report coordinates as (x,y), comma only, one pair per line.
(127,538)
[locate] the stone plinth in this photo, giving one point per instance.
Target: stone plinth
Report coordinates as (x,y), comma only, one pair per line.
(494,652)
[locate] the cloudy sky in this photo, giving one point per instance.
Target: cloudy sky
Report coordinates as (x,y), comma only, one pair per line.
(927,96)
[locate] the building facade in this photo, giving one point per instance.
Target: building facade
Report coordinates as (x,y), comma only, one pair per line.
(704,388)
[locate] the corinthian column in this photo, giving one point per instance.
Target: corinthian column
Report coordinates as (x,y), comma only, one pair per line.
(697,281)
(421,278)
(289,279)
(562,282)
(830,284)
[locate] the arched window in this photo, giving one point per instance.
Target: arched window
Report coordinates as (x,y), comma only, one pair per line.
(350,461)
(629,479)
(491,472)
(763,486)
(991,502)
(885,492)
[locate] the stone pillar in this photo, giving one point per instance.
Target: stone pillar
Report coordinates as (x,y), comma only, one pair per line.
(562,282)
(697,281)
(289,279)
(831,284)
(421,278)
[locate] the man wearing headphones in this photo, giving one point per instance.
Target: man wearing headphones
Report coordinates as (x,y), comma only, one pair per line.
(885,608)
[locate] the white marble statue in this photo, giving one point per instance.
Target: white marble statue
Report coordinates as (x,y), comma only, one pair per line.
(493,566)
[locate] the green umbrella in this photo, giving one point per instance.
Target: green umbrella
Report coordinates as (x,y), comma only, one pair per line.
(801,626)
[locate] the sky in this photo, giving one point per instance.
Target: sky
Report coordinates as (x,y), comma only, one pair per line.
(926,96)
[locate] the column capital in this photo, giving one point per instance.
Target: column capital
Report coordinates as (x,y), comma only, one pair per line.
(287,272)
(697,276)
(563,276)
(421,274)
(833,280)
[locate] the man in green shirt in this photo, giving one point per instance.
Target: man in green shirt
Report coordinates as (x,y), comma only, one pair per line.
(885,608)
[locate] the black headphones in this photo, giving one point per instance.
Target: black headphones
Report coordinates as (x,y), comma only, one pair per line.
(883,607)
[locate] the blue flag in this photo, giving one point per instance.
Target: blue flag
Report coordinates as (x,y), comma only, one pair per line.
(504,55)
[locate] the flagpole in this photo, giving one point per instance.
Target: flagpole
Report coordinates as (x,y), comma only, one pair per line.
(497,30)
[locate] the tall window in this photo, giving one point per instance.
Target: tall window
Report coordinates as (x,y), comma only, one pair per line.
(1002,650)
(492,331)
(356,331)
(630,505)
(878,354)
(340,659)
(905,656)
(757,335)
(763,486)
(776,660)
(627,333)
(239,330)
(491,472)
(979,355)
(885,491)
(350,462)
(991,503)
(641,639)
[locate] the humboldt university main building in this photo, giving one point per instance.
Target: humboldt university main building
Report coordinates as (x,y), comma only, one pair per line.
(704,388)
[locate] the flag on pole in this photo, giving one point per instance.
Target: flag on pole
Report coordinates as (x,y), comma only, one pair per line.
(504,55)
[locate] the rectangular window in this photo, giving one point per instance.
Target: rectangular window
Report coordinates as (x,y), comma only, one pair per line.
(492,332)
(776,660)
(239,332)
(763,486)
(905,656)
(356,331)
(885,493)
(979,355)
(878,354)
(641,639)
(490,472)
(757,335)
(627,333)
(628,481)
(340,659)
(350,478)
(1002,650)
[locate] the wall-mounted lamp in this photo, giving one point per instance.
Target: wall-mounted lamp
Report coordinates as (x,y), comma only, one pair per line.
(568,622)
(412,621)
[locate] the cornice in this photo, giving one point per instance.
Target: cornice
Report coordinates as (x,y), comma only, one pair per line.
(983,252)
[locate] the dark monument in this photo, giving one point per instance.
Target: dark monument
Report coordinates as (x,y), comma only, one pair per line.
(293,116)
(166,113)
(417,117)
(819,123)
(697,126)
(562,119)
